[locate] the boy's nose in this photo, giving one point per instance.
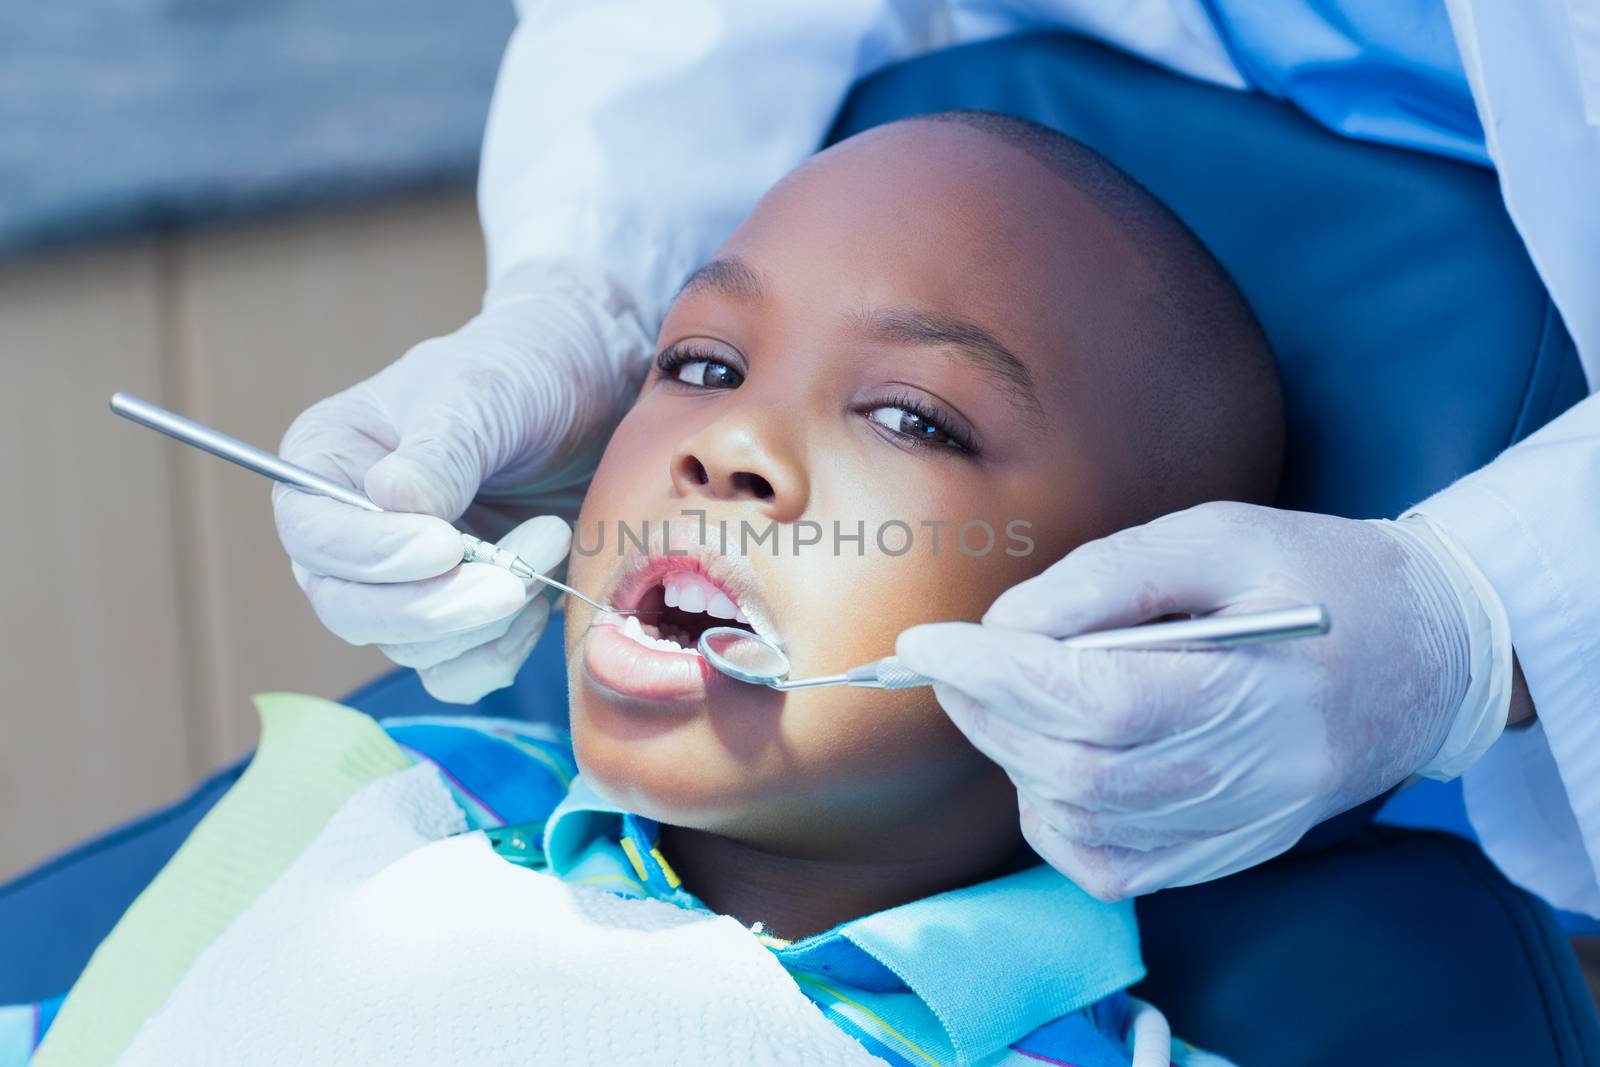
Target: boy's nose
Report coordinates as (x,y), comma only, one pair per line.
(730,461)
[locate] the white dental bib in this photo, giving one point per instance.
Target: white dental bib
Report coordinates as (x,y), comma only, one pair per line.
(389,942)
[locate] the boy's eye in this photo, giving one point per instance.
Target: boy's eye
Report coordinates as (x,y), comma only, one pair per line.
(921,428)
(699,369)
(708,374)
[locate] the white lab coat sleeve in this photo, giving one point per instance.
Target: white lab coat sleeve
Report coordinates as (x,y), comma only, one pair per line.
(1534,69)
(1531,519)
(633,135)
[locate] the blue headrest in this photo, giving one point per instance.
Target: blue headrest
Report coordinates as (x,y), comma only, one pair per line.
(1414,338)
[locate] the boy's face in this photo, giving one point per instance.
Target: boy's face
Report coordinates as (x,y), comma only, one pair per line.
(887,342)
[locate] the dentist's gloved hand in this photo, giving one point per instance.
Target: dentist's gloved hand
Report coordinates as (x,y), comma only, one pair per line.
(1140,770)
(513,411)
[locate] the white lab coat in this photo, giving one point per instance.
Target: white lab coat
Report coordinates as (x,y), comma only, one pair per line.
(633,136)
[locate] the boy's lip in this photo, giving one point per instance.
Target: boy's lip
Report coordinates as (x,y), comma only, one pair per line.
(636,672)
(683,546)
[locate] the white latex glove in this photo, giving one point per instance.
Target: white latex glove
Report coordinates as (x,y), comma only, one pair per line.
(1139,770)
(512,410)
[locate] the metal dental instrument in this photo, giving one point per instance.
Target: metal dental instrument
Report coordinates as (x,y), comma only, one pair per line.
(747,657)
(473,550)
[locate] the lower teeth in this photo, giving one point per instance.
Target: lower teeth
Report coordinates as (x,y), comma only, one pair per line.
(667,640)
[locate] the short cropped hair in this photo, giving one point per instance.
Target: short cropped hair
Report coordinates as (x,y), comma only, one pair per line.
(1197,322)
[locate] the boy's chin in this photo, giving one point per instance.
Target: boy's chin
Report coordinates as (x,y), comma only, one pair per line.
(671,778)
(672,799)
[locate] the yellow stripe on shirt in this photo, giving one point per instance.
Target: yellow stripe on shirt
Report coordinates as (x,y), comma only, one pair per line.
(874,1016)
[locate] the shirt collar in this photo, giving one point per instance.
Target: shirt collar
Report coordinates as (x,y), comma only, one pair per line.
(997,960)
(582,816)
(993,962)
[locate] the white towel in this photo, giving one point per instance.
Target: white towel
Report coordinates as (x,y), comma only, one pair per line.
(389,942)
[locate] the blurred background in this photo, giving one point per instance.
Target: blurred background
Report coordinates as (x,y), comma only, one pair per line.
(232,208)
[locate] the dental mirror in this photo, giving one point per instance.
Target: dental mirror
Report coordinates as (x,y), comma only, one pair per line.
(748,657)
(743,656)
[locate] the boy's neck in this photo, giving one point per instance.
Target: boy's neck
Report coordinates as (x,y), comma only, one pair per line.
(795,897)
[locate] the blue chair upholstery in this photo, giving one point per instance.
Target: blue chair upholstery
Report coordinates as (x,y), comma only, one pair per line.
(1415,342)
(52,917)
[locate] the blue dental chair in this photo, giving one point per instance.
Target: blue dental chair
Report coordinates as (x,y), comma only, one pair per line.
(1416,342)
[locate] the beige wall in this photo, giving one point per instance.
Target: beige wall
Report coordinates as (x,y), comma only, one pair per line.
(143,592)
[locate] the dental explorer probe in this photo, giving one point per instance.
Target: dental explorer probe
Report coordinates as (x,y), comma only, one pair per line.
(219,444)
(747,657)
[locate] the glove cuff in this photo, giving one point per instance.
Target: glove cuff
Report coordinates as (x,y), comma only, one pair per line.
(580,348)
(1480,718)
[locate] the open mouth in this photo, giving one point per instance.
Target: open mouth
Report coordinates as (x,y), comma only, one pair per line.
(678,608)
(681,587)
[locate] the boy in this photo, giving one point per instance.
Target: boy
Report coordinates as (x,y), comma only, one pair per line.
(957,323)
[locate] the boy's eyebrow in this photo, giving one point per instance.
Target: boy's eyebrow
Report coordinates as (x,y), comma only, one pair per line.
(979,347)
(733,277)
(730,276)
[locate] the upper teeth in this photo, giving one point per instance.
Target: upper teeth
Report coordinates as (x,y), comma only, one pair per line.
(688,591)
